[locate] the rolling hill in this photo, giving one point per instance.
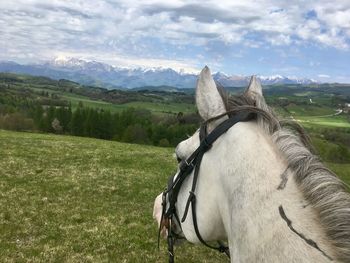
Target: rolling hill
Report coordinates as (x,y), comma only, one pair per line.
(73,199)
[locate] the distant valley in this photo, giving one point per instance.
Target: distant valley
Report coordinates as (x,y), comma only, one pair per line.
(161,115)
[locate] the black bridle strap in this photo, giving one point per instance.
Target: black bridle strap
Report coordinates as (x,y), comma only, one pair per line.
(206,144)
(192,201)
(192,197)
(170,240)
(186,167)
(189,164)
(162,216)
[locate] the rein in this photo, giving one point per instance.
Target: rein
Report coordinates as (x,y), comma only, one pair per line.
(185,169)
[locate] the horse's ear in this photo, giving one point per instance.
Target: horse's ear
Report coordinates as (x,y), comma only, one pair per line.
(254,88)
(208,99)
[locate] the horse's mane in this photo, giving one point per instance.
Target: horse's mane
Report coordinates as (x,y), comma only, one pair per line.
(321,187)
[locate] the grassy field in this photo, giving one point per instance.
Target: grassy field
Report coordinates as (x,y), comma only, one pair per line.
(72,199)
(75,99)
(330,121)
(157,108)
(163,107)
(309,110)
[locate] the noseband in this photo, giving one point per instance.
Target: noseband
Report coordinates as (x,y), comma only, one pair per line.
(185,169)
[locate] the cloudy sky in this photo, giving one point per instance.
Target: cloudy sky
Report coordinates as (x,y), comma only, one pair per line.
(293,38)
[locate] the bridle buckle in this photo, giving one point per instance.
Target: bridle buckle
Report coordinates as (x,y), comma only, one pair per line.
(189,163)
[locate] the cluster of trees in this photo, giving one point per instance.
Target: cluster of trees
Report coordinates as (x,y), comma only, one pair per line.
(131,125)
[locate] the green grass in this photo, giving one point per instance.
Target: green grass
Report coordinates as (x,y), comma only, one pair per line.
(313,116)
(310,110)
(76,99)
(163,107)
(331,121)
(155,107)
(72,199)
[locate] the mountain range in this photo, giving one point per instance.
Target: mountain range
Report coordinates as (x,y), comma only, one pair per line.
(108,76)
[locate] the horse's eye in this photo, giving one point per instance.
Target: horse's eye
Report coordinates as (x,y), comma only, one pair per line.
(178,159)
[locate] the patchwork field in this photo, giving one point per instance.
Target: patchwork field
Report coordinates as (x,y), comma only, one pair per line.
(72,199)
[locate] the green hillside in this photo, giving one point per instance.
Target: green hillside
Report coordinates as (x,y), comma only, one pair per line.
(62,92)
(73,199)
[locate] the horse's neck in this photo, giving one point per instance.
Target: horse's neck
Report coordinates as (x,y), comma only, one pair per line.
(267,218)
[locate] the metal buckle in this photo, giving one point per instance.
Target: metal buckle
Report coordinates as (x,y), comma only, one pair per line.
(189,164)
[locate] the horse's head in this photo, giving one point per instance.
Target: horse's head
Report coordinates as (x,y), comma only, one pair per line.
(234,183)
(208,190)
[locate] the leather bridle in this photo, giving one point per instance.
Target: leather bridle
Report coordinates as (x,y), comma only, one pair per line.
(186,167)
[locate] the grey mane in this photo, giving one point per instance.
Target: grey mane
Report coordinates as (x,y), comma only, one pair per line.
(321,187)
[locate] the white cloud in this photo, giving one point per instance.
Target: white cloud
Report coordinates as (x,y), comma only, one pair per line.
(314,63)
(324,76)
(137,29)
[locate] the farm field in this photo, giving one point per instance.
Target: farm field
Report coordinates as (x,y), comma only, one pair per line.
(73,199)
(155,107)
(330,121)
(310,115)
(162,107)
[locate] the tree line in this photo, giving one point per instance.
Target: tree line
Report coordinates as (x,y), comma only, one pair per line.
(131,125)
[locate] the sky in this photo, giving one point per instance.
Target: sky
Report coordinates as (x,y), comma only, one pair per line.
(291,38)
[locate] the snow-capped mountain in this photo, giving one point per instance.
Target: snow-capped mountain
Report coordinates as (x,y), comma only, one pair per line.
(276,79)
(78,64)
(101,74)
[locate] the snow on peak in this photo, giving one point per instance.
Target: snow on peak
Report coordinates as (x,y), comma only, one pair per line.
(67,61)
(158,75)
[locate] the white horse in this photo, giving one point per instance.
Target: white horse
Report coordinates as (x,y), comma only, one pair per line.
(261,188)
